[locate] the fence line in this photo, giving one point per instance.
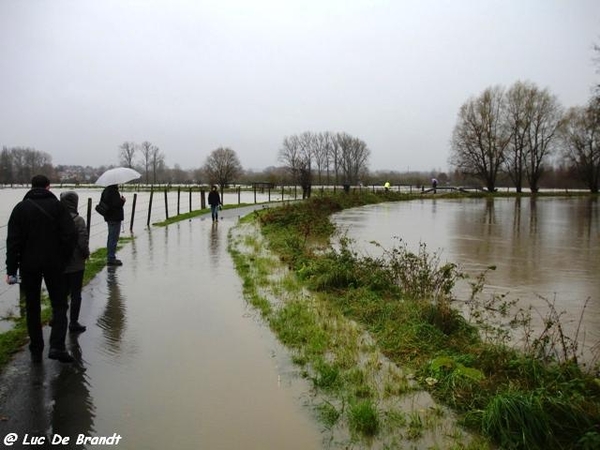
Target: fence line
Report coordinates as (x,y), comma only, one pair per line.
(145,205)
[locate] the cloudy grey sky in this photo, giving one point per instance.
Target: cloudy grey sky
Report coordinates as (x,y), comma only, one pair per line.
(79,77)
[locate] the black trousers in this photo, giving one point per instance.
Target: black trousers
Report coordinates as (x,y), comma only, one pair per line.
(73,283)
(31,285)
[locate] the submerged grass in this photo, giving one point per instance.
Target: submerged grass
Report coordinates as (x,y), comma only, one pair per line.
(403,300)
(192,214)
(359,390)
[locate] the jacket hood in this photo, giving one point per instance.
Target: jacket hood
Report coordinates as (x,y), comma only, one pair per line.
(71,200)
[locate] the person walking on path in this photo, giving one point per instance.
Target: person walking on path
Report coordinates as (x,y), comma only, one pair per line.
(214,200)
(40,239)
(114,217)
(73,275)
(434,183)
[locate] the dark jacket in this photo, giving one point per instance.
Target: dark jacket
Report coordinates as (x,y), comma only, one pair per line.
(82,250)
(40,237)
(112,197)
(213,198)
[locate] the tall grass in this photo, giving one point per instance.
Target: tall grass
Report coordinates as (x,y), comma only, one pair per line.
(520,399)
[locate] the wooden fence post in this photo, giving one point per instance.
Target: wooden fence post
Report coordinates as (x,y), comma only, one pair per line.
(150,207)
(89,215)
(132,212)
(166,205)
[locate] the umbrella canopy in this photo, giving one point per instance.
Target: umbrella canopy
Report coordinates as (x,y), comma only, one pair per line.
(118,175)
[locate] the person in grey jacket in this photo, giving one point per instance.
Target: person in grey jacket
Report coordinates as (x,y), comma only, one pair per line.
(73,274)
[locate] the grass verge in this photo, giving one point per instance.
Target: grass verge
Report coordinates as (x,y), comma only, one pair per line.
(516,399)
(360,396)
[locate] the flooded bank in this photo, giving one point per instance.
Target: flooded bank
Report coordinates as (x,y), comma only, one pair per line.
(172,358)
(545,248)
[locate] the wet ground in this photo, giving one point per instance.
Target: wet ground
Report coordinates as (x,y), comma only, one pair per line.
(172,358)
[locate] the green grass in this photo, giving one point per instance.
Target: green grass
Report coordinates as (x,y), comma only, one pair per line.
(195,213)
(403,300)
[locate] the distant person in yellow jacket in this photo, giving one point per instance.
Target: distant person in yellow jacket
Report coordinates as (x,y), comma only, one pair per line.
(387,186)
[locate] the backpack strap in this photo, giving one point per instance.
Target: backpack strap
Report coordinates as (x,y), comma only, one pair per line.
(41,209)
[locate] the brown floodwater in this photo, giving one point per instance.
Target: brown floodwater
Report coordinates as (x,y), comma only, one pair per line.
(179,359)
(542,248)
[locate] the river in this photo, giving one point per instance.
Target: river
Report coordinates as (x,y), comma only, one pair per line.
(543,248)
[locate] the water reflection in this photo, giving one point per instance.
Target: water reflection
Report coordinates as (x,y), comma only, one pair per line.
(114,320)
(35,400)
(213,243)
(489,217)
(73,412)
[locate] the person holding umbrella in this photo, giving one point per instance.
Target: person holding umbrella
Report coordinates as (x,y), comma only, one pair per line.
(113,217)
(114,201)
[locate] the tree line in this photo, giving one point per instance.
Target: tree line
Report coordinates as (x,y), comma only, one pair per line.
(325,158)
(520,136)
(521,132)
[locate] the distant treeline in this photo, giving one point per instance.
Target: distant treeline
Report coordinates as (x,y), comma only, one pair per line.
(19,164)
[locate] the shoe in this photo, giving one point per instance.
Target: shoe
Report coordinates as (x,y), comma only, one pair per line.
(76,327)
(61,355)
(114,262)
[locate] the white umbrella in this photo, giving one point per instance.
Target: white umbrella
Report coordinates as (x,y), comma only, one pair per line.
(118,175)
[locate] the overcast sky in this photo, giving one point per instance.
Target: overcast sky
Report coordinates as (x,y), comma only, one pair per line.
(80,77)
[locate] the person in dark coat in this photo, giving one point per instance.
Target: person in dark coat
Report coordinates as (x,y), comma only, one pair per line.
(113,218)
(214,200)
(73,275)
(40,239)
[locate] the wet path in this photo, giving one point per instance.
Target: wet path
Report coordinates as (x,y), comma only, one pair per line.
(172,358)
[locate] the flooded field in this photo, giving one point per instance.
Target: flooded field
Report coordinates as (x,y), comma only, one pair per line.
(144,213)
(544,247)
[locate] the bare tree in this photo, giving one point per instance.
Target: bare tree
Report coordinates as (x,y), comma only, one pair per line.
(334,156)
(481,136)
(519,111)
(354,157)
(222,167)
(320,153)
(127,154)
(20,164)
(580,134)
(545,121)
(296,156)
(147,150)
(6,167)
(157,162)
(533,117)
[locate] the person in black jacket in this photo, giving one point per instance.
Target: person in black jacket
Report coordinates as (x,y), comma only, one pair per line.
(40,239)
(214,200)
(113,218)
